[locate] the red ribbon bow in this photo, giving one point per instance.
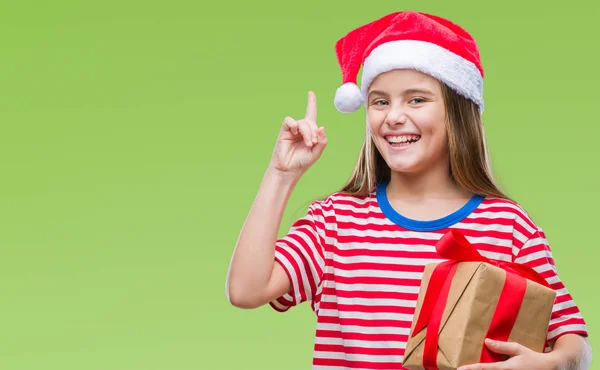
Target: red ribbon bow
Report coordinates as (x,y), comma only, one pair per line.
(456,248)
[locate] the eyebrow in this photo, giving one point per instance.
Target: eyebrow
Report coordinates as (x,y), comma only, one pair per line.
(404,92)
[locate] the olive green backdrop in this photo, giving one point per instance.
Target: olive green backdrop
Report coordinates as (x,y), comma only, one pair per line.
(134,135)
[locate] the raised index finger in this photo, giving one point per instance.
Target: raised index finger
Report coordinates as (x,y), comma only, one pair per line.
(311,107)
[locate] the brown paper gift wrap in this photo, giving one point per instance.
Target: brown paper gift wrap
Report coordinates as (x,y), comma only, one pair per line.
(472,299)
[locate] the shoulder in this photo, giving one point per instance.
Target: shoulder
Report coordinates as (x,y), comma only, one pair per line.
(344,201)
(340,207)
(510,210)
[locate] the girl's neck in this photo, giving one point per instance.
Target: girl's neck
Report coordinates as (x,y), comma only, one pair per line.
(432,184)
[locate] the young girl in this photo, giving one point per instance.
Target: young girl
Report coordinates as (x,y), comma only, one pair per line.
(358,255)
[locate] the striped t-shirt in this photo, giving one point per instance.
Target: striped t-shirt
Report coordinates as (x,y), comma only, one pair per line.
(359,263)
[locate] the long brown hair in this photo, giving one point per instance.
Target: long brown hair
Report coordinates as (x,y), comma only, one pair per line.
(470,165)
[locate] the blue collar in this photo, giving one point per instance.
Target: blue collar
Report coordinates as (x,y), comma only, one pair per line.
(431,225)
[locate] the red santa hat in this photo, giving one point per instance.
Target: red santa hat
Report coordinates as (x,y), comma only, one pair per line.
(409,39)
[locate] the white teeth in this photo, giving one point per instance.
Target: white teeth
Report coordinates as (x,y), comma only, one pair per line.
(402,139)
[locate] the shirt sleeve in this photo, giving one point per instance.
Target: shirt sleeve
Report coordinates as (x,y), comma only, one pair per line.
(566,317)
(302,254)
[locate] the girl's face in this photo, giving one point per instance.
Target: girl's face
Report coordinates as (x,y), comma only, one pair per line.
(406,116)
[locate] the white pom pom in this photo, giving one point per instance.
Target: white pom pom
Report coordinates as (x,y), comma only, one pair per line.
(348,98)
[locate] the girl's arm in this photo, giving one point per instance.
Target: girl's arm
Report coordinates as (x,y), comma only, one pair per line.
(572,352)
(254,277)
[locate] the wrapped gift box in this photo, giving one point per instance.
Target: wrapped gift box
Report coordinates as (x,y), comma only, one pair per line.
(469,298)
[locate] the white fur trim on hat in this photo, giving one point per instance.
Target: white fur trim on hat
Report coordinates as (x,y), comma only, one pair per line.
(455,71)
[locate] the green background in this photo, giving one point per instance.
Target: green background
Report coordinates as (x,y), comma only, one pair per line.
(135,135)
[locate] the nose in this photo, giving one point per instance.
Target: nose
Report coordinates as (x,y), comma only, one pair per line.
(395,116)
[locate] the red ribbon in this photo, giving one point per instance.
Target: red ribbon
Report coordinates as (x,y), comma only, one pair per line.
(454,247)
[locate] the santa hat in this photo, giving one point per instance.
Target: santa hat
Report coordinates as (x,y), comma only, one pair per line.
(409,39)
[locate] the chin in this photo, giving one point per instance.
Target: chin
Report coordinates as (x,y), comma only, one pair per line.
(403,168)
(400,162)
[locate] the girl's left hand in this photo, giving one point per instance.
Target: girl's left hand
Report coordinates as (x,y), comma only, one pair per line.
(521,357)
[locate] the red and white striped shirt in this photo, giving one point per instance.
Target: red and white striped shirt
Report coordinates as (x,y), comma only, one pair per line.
(360,263)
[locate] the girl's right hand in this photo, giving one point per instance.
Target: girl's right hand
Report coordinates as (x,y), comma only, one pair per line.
(300,143)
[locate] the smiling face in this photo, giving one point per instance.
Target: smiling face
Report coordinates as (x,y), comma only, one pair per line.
(407,120)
